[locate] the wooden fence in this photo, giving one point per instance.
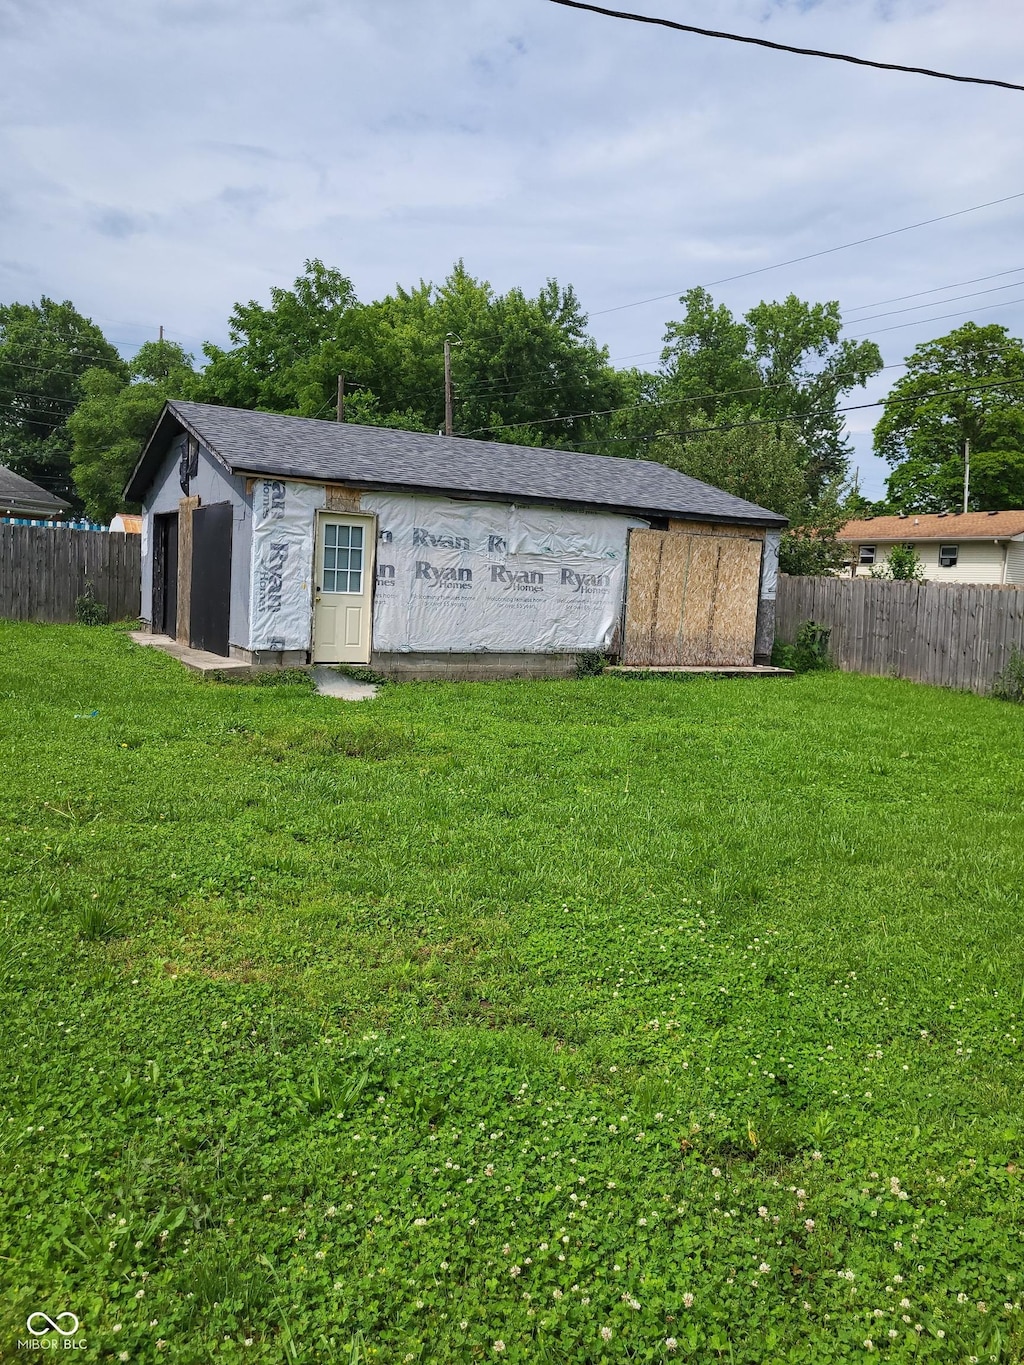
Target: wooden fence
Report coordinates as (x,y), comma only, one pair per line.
(952,634)
(43,570)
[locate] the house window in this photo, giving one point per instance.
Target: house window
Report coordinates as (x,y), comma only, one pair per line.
(867,554)
(948,555)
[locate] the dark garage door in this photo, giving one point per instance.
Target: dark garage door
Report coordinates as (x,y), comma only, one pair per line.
(211,577)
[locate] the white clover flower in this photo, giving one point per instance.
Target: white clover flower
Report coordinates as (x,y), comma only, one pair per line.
(606,1334)
(498,1346)
(670,1343)
(687,1300)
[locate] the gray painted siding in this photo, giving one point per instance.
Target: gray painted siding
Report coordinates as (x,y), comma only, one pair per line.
(211,484)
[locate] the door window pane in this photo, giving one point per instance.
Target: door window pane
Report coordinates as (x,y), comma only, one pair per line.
(343,558)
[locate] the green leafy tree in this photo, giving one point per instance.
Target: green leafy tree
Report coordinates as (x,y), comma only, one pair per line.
(784,361)
(115,417)
(283,356)
(968,385)
(45,349)
(518,363)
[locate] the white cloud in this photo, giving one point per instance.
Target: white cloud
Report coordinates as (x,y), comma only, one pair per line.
(162,161)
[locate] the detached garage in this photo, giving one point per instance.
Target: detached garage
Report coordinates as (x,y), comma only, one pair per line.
(281,541)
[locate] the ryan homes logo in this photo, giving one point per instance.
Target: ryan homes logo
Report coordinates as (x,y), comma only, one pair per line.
(271,577)
(511,581)
(421,536)
(586,584)
(273,499)
(445,578)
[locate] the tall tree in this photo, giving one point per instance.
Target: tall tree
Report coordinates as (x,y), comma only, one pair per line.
(116,415)
(522,367)
(280,355)
(967,385)
(784,361)
(45,349)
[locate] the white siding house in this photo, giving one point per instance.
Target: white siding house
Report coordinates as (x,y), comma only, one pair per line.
(965,547)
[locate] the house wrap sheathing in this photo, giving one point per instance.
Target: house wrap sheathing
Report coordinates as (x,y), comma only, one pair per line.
(476,576)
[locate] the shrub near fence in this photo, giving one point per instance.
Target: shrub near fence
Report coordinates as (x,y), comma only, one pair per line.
(951,634)
(43,570)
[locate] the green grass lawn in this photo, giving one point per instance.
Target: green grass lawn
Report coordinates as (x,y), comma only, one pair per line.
(580,1022)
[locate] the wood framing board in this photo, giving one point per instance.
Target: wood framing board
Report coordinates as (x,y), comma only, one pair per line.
(186,507)
(691,600)
(716,528)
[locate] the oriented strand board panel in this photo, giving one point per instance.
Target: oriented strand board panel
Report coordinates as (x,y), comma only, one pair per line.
(716,528)
(691,600)
(186,507)
(342,499)
(642,594)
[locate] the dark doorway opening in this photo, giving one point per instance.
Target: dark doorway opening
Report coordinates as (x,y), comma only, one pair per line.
(211,577)
(165,574)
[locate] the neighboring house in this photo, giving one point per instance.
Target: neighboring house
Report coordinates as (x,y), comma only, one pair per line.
(19,497)
(954,547)
(283,540)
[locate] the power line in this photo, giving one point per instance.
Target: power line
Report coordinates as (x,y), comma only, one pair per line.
(941,303)
(814,255)
(797,417)
(662,402)
(956,284)
(786,47)
(940,317)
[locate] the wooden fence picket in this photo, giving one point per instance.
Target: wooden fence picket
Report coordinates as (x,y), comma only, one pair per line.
(957,635)
(44,569)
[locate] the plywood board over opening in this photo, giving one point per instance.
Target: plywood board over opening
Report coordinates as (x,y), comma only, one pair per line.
(691,600)
(186,507)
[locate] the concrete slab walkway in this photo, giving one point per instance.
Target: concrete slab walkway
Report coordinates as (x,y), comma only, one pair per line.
(196,659)
(330,683)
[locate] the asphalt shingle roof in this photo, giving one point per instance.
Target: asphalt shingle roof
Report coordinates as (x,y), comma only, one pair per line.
(949,526)
(21,497)
(268,444)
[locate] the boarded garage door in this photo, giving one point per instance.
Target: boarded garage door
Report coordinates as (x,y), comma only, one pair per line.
(691,600)
(211,577)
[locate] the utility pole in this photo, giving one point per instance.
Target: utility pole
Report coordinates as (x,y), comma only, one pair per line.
(447,387)
(448,405)
(967,472)
(341,398)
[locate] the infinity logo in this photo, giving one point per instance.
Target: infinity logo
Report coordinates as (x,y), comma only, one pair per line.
(52,1324)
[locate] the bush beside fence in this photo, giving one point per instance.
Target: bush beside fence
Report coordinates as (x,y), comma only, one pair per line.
(43,570)
(951,634)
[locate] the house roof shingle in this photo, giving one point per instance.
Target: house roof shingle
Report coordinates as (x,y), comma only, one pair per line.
(269,444)
(950,526)
(20,497)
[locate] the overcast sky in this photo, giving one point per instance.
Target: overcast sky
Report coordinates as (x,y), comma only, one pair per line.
(164,158)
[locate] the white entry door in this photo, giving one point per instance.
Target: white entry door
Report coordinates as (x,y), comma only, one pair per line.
(343,588)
